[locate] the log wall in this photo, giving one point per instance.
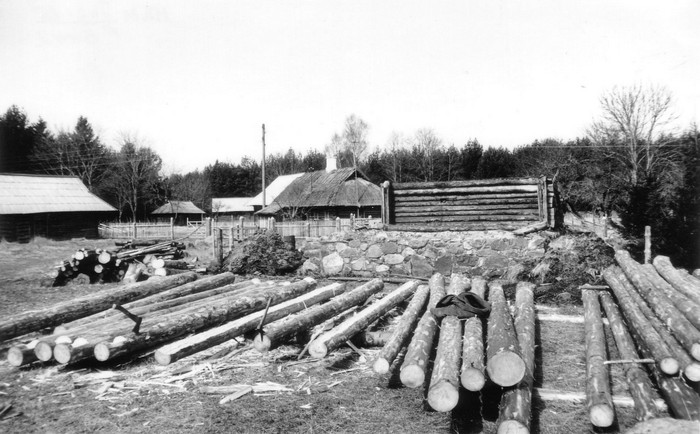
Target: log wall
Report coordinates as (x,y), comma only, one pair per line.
(59,226)
(501,203)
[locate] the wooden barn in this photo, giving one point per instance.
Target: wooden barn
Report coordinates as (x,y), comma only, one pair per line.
(56,207)
(327,195)
(180,210)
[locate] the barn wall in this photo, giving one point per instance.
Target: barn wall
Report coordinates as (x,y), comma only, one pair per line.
(57,226)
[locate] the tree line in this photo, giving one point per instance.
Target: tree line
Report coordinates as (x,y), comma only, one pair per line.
(629,162)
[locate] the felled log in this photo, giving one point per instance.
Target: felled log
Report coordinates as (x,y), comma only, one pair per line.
(402,330)
(469,190)
(504,362)
(531,228)
(681,399)
(276,331)
(215,336)
(332,339)
(685,305)
(70,310)
(368,338)
(168,271)
(22,354)
(680,326)
(472,375)
(490,182)
(640,327)
(684,283)
(178,325)
(455,226)
(415,362)
(598,396)
(637,380)
(516,403)
(443,394)
(133,274)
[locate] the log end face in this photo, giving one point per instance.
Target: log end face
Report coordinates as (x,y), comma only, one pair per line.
(43,351)
(601,415)
(62,353)
(692,372)
(695,351)
(15,357)
(506,369)
(669,366)
(443,396)
(412,376)
(162,357)
(472,379)
(318,350)
(512,427)
(381,366)
(102,351)
(262,343)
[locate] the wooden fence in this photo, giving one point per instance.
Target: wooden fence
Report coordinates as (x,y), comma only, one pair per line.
(502,203)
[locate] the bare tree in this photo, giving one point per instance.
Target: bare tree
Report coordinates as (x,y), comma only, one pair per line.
(426,144)
(395,146)
(355,138)
(633,126)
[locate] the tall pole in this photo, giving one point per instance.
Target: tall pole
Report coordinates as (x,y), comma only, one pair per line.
(263,166)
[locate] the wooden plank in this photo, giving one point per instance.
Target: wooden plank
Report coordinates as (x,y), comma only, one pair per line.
(477,218)
(467,199)
(459,227)
(432,207)
(468,183)
(400,213)
(468,190)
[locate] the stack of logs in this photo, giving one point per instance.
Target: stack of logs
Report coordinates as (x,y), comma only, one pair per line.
(129,262)
(654,317)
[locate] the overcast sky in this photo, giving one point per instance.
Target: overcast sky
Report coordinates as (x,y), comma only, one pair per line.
(197,79)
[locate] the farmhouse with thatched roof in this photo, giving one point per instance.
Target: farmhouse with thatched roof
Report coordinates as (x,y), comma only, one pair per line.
(327,194)
(180,210)
(57,207)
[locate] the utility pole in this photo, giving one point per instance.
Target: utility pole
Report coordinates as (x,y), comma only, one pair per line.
(263,166)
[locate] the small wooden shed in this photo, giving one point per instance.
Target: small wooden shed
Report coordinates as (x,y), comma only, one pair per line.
(56,207)
(180,210)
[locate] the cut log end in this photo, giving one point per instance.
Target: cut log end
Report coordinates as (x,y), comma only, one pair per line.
(506,369)
(318,350)
(162,358)
(262,343)
(692,372)
(43,351)
(62,353)
(695,351)
(102,351)
(443,396)
(669,366)
(601,415)
(472,379)
(381,366)
(512,427)
(412,376)
(17,357)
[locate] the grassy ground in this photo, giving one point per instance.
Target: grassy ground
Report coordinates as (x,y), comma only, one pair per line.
(338,394)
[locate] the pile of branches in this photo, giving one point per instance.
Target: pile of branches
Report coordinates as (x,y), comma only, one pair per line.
(97,265)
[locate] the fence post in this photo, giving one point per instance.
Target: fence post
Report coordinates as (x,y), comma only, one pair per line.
(271,224)
(604,222)
(241,222)
(230,238)
(308,228)
(134,229)
(647,244)
(337,224)
(172,228)
(352,222)
(220,242)
(207,227)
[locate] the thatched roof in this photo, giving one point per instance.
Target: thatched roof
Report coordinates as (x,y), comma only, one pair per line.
(338,188)
(178,207)
(33,194)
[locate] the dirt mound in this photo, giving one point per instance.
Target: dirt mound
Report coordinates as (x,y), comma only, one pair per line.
(265,253)
(570,261)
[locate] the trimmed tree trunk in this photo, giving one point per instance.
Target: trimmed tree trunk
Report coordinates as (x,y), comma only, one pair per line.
(332,339)
(637,380)
(416,360)
(277,331)
(598,396)
(87,305)
(504,363)
(685,305)
(443,394)
(473,377)
(516,403)
(22,354)
(531,228)
(631,304)
(402,331)
(177,325)
(193,344)
(684,283)
(682,329)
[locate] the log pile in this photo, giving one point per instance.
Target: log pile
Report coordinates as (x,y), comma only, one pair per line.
(662,316)
(130,262)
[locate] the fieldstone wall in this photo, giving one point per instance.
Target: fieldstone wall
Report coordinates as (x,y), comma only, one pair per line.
(377,253)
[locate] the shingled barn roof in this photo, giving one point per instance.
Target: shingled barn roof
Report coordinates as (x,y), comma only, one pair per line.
(178,207)
(34,194)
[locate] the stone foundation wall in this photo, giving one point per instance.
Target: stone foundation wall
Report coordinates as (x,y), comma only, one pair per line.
(377,253)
